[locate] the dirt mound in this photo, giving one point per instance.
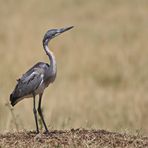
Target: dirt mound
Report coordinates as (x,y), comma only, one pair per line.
(71,138)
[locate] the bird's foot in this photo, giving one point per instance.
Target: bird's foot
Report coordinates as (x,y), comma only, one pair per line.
(46,132)
(37,132)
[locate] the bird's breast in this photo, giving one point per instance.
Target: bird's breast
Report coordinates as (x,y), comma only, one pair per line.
(49,80)
(45,83)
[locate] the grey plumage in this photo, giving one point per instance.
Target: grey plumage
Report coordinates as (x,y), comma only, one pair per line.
(30,81)
(37,78)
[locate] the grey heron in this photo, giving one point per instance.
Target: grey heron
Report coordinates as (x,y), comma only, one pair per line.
(37,78)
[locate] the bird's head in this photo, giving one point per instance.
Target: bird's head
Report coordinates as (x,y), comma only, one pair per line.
(50,34)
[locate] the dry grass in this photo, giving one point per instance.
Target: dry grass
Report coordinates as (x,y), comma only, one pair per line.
(73,138)
(102,63)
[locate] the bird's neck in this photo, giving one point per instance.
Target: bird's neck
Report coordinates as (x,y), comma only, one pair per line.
(51,58)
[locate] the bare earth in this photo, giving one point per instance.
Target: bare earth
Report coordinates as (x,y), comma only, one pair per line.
(72,138)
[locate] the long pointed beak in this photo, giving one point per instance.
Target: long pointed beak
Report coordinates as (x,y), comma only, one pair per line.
(59,31)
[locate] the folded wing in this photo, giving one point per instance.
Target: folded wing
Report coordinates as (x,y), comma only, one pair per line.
(27,85)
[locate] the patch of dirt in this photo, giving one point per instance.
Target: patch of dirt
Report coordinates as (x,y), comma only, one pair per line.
(72,138)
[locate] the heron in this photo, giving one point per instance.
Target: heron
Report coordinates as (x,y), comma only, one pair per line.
(37,78)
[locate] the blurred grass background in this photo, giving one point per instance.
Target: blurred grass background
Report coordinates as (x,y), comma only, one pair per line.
(102,79)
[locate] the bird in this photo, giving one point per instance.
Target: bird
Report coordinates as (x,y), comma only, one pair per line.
(37,78)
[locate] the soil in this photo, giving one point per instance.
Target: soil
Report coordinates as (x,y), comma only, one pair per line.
(72,138)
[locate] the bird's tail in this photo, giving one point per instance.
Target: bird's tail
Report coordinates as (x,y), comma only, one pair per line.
(13,99)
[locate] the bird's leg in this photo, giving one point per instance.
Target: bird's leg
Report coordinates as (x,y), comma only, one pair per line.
(40,113)
(35,114)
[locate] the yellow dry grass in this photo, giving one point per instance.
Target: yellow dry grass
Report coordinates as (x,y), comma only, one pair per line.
(102,79)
